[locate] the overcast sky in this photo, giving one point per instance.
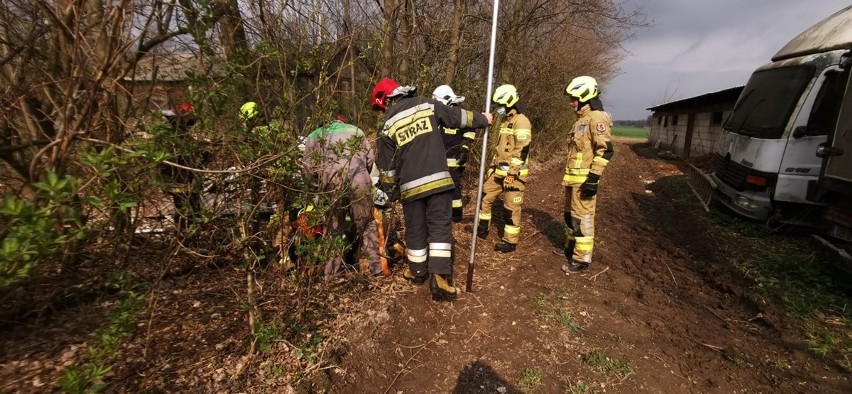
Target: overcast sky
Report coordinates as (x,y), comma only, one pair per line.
(698,46)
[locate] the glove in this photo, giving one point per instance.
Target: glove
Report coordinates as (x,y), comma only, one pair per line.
(508,181)
(380,199)
(464,155)
(390,190)
(590,187)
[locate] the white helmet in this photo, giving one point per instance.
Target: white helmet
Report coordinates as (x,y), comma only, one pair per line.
(445,94)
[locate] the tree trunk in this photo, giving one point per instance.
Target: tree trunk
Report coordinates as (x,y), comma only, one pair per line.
(509,56)
(455,43)
(407,31)
(232,33)
(390,11)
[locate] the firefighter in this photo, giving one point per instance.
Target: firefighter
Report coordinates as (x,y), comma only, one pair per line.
(413,168)
(341,157)
(184,185)
(457,143)
(508,170)
(589,152)
(253,118)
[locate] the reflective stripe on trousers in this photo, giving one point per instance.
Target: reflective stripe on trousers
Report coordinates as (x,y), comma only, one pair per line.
(581,230)
(513,201)
(429,232)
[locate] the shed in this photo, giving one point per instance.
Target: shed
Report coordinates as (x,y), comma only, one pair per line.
(691,126)
(162,79)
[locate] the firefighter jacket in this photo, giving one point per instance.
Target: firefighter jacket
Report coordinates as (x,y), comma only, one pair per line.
(513,146)
(456,140)
(589,146)
(337,153)
(411,149)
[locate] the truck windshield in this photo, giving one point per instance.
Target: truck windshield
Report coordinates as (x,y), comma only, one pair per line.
(768,99)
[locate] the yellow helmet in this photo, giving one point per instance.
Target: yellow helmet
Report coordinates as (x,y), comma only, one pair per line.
(583,88)
(249,111)
(506,95)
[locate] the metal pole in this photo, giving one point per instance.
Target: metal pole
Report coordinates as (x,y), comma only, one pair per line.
(470,264)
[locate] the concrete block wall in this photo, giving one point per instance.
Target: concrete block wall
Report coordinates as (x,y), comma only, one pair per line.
(704,134)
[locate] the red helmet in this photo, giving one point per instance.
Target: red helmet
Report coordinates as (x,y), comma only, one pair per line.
(381,92)
(184,108)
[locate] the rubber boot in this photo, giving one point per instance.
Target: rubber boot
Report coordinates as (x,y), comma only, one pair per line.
(482,229)
(442,287)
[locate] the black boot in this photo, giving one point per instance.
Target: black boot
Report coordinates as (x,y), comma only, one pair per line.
(575,267)
(567,251)
(457,214)
(505,247)
(442,287)
(482,229)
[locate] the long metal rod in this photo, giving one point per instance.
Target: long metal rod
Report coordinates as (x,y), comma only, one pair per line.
(470,264)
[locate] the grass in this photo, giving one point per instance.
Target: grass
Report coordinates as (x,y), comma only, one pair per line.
(530,379)
(785,269)
(606,366)
(580,388)
(738,225)
(265,335)
(550,313)
(736,360)
(631,132)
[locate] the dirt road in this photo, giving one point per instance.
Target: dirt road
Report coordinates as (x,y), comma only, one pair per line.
(659,311)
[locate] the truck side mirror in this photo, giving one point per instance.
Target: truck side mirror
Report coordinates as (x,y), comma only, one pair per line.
(800,132)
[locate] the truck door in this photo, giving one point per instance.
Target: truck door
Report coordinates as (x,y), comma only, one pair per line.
(838,150)
(799,165)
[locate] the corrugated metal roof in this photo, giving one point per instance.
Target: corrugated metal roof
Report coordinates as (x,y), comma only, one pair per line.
(729,94)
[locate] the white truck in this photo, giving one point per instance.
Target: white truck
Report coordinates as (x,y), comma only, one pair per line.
(834,188)
(767,152)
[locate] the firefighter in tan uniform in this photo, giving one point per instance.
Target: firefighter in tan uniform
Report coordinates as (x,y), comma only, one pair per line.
(508,171)
(589,152)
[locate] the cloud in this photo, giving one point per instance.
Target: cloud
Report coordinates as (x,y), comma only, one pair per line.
(696,47)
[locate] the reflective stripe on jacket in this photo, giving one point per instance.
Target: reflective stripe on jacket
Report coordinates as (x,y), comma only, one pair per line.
(589,146)
(513,146)
(454,139)
(411,149)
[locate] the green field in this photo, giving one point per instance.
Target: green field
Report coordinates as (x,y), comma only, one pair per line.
(630,132)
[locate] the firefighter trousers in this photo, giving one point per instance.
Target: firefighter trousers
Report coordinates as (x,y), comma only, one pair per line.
(458,205)
(513,201)
(579,215)
(429,234)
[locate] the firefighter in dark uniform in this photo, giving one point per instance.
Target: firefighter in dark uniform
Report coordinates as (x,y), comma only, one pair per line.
(589,152)
(509,168)
(413,168)
(184,186)
(457,143)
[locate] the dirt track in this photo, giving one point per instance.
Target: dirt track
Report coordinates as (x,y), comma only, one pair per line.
(658,296)
(661,307)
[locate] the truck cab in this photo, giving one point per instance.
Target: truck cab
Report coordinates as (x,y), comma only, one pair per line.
(767,153)
(834,188)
